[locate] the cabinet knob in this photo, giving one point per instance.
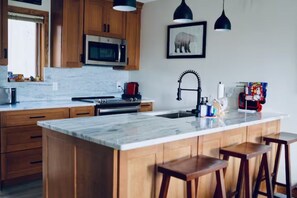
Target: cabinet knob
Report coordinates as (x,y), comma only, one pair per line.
(108,28)
(104,27)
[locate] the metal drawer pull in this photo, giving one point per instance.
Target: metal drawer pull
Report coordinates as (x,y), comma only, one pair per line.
(36,162)
(87,113)
(36,136)
(34,117)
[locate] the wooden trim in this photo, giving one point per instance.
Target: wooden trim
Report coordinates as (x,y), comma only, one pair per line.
(44,40)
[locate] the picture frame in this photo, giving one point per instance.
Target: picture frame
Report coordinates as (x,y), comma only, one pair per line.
(36,2)
(186,40)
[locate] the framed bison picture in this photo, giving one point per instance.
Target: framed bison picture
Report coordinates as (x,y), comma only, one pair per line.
(186,40)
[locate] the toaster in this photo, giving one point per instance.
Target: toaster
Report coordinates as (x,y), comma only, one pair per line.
(7,95)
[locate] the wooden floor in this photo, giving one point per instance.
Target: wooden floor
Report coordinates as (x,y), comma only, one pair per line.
(27,190)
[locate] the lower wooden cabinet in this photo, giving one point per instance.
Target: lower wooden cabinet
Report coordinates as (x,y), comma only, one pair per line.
(97,171)
(21,139)
(82,111)
(146,106)
(21,163)
(210,145)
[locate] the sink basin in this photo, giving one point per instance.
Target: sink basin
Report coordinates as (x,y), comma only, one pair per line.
(180,114)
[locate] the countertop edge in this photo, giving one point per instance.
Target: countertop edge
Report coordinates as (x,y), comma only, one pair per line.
(130,146)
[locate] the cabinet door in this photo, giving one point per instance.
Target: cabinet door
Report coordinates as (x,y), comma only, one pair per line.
(115,21)
(76,112)
(138,175)
(102,20)
(21,163)
(67,32)
(181,149)
(93,17)
(3,33)
(133,39)
(146,106)
(209,145)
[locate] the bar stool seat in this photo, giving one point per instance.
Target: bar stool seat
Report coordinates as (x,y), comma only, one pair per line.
(191,169)
(245,152)
(280,139)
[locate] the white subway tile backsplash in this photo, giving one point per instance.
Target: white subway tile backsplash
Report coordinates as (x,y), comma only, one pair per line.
(74,82)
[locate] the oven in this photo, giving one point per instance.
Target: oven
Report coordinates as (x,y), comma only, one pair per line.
(110,105)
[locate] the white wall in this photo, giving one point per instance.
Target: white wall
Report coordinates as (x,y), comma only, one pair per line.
(262,46)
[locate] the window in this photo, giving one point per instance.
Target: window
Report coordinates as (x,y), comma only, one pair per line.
(27,43)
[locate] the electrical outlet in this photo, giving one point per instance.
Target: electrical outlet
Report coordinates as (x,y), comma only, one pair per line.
(119,86)
(55,86)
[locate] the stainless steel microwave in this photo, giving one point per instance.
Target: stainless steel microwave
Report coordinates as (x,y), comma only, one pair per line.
(105,51)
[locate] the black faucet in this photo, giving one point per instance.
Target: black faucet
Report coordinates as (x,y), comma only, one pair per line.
(198,90)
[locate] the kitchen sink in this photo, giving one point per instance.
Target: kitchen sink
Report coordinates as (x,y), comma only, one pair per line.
(180,114)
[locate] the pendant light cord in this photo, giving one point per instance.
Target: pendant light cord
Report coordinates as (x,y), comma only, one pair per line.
(223,5)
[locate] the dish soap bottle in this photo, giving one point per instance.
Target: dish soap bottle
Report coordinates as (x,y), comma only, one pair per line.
(204,101)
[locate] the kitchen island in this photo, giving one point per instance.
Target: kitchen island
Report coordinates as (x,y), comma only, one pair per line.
(117,156)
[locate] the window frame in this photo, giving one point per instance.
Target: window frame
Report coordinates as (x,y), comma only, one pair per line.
(44,36)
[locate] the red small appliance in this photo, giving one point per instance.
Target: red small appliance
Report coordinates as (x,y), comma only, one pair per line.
(131,91)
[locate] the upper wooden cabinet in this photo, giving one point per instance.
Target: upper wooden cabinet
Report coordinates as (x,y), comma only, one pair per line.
(101,19)
(66,32)
(133,38)
(3,33)
(133,23)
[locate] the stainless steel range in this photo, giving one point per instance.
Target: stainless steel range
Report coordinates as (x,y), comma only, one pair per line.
(108,105)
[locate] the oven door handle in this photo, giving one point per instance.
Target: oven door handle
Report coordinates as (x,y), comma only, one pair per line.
(118,110)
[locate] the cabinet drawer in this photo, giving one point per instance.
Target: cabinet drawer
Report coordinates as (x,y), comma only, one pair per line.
(30,117)
(146,106)
(81,111)
(21,163)
(20,138)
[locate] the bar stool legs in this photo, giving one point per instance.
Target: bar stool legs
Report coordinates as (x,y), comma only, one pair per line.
(264,165)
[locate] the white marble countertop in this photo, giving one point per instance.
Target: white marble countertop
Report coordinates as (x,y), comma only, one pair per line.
(130,131)
(48,104)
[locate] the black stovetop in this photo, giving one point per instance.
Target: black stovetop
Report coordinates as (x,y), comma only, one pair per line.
(111,101)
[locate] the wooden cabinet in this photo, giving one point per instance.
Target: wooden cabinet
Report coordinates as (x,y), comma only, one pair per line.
(3,33)
(133,38)
(138,176)
(210,145)
(21,141)
(181,149)
(146,106)
(30,117)
(101,19)
(133,26)
(82,170)
(82,111)
(66,33)
(22,163)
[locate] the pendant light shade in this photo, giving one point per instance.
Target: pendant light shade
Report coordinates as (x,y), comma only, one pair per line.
(183,13)
(222,23)
(124,5)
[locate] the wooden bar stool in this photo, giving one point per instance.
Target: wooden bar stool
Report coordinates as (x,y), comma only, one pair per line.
(246,151)
(191,169)
(280,139)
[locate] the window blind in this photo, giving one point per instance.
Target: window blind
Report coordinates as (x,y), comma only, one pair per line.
(26,17)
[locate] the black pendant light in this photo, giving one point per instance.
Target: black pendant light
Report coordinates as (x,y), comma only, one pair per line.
(183,13)
(223,23)
(124,5)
